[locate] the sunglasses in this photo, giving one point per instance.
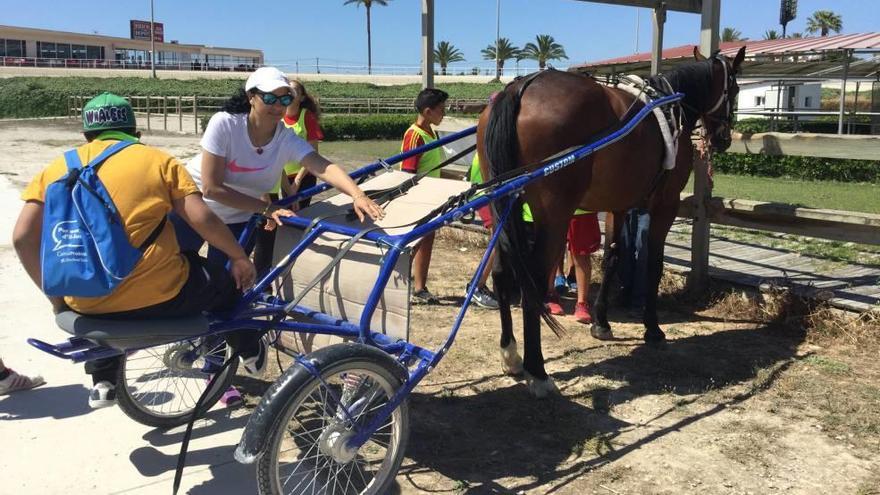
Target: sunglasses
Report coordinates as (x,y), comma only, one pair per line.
(272,98)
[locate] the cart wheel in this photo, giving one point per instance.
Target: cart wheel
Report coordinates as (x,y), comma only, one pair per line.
(163,383)
(307,451)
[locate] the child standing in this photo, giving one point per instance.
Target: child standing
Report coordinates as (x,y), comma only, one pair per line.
(431,105)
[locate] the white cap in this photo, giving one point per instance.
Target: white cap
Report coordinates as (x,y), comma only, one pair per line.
(266,79)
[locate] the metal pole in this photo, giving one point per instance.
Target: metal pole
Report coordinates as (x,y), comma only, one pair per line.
(152,42)
(699,276)
(497,36)
(638,21)
(427,43)
(657,44)
(847,54)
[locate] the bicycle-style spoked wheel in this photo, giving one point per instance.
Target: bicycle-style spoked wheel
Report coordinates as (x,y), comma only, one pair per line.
(162,384)
(308,451)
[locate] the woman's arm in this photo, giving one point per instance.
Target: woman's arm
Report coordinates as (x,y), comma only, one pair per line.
(334,175)
(213,187)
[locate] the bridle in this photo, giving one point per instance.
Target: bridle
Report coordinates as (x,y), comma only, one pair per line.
(724,98)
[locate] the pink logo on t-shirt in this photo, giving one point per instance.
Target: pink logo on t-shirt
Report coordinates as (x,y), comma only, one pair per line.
(235,167)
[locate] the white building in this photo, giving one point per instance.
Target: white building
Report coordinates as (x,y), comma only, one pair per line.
(757,97)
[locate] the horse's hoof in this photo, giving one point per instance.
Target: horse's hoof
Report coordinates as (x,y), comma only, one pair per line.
(541,389)
(655,340)
(511,363)
(601,333)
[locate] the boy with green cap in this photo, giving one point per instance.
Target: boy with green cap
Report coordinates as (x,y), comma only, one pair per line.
(145,185)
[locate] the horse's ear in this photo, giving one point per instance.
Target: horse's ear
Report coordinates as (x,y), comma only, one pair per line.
(697,55)
(740,56)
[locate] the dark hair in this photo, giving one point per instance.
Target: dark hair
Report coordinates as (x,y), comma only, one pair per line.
(308,102)
(92,135)
(430,98)
(238,102)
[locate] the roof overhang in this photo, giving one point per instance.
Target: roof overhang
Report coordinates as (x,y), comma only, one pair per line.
(692,6)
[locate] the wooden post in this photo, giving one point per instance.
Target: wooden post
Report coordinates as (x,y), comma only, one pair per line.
(196,113)
(427,44)
(847,54)
(165,111)
(657,45)
(699,276)
(179,113)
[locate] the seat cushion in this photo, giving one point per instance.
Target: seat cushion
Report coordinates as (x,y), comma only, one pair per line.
(131,334)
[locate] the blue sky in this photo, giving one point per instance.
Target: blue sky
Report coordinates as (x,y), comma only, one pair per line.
(305,29)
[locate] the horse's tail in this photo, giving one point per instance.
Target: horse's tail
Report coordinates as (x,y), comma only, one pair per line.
(514,246)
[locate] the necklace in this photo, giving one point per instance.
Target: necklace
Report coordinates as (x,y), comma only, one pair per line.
(259,150)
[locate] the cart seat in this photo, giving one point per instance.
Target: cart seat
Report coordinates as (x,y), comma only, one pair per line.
(131,334)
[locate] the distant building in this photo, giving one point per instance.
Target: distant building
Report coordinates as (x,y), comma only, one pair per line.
(757,97)
(29,47)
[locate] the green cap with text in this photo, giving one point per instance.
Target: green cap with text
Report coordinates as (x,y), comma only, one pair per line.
(107,111)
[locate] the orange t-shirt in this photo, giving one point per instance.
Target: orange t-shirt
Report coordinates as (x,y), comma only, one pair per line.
(143,181)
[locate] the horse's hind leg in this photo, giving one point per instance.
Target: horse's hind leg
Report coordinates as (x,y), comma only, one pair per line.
(601,329)
(511,362)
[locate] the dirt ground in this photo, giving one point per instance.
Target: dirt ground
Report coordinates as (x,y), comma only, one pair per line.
(750,397)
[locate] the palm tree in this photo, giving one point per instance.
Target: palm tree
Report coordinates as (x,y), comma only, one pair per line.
(731,34)
(368,4)
(445,54)
(771,35)
(505,51)
(546,49)
(796,35)
(824,21)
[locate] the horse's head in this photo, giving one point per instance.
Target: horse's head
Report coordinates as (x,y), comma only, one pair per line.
(717,116)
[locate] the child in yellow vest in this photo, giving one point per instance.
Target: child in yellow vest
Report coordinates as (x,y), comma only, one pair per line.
(431,105)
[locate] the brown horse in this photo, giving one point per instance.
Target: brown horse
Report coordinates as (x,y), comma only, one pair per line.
(540,115)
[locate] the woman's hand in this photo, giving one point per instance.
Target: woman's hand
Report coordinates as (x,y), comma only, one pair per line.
(364,206)
(275,218)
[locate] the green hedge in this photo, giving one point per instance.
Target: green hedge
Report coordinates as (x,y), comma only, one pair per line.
(24,97)
(822,125)
(798,167)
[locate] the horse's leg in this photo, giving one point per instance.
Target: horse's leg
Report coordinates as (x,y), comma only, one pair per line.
(662,218)
(601,329)
(549,239)
(511,362)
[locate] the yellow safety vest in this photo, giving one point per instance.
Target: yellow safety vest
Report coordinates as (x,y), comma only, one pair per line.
(292,167)
(429,159)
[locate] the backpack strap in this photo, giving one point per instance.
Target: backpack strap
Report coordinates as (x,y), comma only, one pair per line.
(153,235)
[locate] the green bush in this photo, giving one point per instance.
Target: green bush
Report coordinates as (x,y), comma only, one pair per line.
(24,97)
(798,167)
(822,125)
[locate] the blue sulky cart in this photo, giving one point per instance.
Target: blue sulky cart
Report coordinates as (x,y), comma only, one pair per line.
(337,420)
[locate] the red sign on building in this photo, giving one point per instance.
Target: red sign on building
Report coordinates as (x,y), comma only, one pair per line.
(140,30)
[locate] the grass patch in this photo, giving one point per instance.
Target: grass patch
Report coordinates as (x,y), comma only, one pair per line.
(359,153)
(813,194)
(828,365)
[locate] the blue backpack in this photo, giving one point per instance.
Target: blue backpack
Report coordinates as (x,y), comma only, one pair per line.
(85,251)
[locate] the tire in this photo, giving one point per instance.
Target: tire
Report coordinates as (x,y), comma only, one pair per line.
(159,386)
(296,459)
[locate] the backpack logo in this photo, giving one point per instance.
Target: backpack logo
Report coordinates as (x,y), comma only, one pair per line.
(67,234)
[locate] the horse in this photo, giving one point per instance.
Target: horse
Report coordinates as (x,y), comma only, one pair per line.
(539,115)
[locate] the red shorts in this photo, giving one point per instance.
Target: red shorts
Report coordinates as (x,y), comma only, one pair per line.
(584,237)
(485,214)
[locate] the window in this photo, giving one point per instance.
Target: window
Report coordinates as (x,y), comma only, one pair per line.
(45,50)
(62,50)
(808,102)
(95,52)
(760,100)
(12,48)
(78,51)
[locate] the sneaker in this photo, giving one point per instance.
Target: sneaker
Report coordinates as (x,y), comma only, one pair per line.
(560,284)
(103,394)
(254,366)
(582,313)
(484,298)
(232,397)
(15,382)
(554,307)
(424,296)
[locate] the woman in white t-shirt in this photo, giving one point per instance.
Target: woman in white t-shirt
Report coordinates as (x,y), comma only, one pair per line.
(244,149)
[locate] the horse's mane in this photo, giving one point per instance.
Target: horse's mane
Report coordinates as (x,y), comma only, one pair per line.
(693,79)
